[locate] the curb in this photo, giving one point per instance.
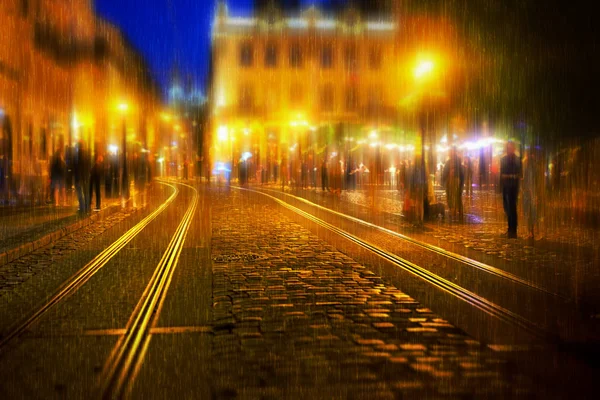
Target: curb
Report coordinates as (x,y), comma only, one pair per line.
(26,248)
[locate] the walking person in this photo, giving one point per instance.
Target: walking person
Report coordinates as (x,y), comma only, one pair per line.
(141,171)
(510,174)
(453,178)
(81,175)
(58,176)
(324,176)
(95,179)
(468,167)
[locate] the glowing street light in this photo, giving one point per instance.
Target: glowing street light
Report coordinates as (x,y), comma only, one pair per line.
(424,69)
(223,133)
(123,108)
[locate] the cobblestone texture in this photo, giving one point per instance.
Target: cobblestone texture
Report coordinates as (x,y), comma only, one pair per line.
(565,259)
(22,269)
(303,320)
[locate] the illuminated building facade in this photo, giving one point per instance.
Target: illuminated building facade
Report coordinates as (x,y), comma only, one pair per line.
(63,71)
(287,85)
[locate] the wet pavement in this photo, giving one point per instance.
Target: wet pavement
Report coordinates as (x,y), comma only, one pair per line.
(302,319)
(564,260)
(259,306)
(27,224)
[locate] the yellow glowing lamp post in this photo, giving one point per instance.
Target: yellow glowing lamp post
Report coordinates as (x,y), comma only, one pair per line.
(123,108)
(423,73)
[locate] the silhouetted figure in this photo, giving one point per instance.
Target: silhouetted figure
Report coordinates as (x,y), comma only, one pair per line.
(58,176)
(453,179)
(324,176)
(111,175)
(468,168)
(483,169)
(81,176)
(95,179)
(304,175)
(510,174)
(141,176)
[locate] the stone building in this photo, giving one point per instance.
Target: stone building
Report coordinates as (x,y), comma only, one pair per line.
(286,84)
(63,73)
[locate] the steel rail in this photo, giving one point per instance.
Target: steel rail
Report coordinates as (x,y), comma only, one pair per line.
(457,291)
(72,284)
(435,249)
(126,358)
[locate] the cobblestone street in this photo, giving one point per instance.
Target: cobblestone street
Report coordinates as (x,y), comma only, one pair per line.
(560,260)
(20,270)
(301,319)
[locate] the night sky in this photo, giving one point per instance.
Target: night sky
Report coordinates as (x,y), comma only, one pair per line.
(170,32)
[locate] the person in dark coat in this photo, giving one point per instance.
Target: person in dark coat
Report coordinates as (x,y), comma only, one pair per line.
(58,175)
(141,170)
(81,175)
(454,178)
(324,176)
(95,179)
(510,174)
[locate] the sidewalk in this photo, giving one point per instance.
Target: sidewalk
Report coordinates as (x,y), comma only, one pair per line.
(23,229)
(565,261)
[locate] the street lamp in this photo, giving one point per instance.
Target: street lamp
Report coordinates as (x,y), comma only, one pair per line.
(123,108)
(423,73)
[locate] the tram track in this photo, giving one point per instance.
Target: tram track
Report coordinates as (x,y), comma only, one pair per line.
(471,298)
(126,358)
(76,281)
(497,272)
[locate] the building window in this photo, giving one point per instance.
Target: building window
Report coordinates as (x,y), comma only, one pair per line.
(351,98)
(327,57)
(24,8)
(375,58)
(295,56)
(296,95)
(375,98)
(326,98)
(271,56)
(246,55)
(246,98)
(351,58)
(43,144)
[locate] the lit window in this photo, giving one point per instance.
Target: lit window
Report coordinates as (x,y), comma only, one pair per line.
(271,56)
(326,98)
(327,57)
(375,58)
(351,59)
(246,98)
(351,98)
(295,56)
(375,98)
(246,55)
(296,95)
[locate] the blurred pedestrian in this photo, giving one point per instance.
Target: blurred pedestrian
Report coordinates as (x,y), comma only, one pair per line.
(81,175)
(141,176)
(324,176)
(468,168)
(453,179)
(304,175)
(483,169)
(58,176)
(95,179)
(510,174)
